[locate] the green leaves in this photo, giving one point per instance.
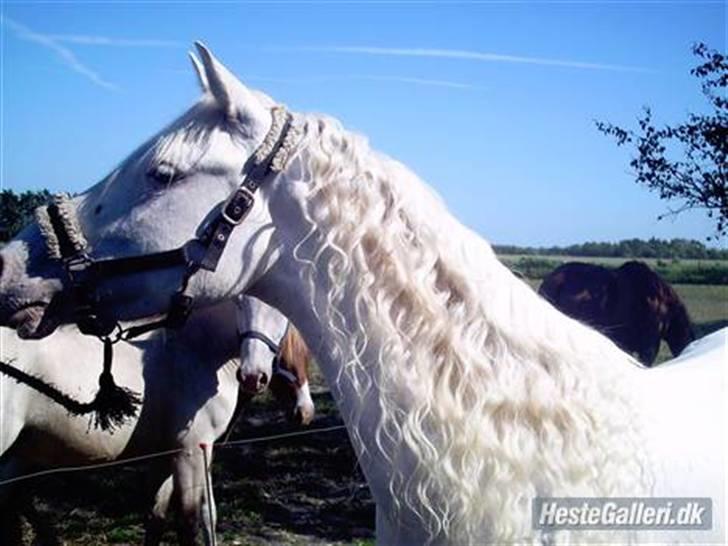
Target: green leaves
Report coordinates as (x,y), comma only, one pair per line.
(16,210)
(687,162)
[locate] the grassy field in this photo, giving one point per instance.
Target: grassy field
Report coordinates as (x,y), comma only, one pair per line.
(673,271)
(609,260)
(299,491)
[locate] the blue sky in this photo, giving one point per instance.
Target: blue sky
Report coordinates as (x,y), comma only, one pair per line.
(492,103)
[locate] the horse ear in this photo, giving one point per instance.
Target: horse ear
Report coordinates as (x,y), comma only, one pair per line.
(231,95)
(200,71)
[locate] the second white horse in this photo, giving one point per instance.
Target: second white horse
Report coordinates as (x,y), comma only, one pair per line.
(188,383)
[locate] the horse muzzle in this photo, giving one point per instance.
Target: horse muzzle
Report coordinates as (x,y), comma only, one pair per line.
(252,383)
(34,321)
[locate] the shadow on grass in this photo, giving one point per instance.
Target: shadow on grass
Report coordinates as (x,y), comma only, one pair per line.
(308,485)
(301,490)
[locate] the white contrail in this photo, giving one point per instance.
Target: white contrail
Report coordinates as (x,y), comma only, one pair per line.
(371,77)
(415,81)
(85,39)
(469,55)
(65,54)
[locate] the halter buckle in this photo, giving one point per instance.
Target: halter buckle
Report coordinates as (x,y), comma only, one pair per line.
(77,263)
(238,206)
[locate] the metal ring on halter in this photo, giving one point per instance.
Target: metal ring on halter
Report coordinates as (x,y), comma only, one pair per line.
(116,335)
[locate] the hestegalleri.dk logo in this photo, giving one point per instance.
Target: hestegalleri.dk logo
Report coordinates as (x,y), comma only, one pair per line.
(635,513)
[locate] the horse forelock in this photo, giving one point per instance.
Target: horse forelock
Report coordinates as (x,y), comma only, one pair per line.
(473,369)
(183,142)
(187,139)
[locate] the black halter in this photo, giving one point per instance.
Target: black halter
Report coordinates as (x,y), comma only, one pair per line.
(84,273)
(113,404)
(274,348)
(260,336)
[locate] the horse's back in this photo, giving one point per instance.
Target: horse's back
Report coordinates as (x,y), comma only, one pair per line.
(710,350)
(683,402)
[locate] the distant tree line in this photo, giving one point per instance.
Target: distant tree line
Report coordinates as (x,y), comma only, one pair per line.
(628,248)
(16,210)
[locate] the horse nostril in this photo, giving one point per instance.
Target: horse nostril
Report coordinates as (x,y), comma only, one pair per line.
(262,381)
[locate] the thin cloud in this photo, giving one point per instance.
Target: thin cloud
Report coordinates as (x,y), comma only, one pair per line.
(371,77)
(84,39)
(472,56)
(66,55)
(416,81)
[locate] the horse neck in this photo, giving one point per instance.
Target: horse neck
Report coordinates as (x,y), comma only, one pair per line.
(522,347)
(465,270)
(283,288)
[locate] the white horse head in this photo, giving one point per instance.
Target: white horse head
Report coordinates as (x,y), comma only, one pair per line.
(157,199)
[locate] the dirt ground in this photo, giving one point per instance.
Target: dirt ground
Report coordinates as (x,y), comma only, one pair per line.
(291,491)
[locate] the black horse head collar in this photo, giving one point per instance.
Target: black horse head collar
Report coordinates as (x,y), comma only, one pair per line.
(65,240)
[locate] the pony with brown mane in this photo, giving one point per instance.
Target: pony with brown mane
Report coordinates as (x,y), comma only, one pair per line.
(632,305)
(286,375)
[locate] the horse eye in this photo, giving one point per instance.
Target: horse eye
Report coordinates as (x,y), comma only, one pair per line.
(164,173)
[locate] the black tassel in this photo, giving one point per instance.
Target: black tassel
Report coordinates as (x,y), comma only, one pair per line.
(112,404)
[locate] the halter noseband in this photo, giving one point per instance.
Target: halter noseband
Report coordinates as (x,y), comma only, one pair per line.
(65,241)
(275,349)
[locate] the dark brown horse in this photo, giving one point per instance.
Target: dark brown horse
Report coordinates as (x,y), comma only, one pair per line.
(632,305)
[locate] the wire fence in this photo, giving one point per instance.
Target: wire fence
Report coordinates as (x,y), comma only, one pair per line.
(166,453)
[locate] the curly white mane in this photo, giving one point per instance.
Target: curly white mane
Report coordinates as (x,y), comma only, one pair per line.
(489,397)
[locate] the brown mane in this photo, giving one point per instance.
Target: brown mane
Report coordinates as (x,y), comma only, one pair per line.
(295,354)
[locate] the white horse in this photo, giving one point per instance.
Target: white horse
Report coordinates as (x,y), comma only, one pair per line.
(466,395)
(189,386)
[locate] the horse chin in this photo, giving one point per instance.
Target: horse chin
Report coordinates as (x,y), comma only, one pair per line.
(34,321)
